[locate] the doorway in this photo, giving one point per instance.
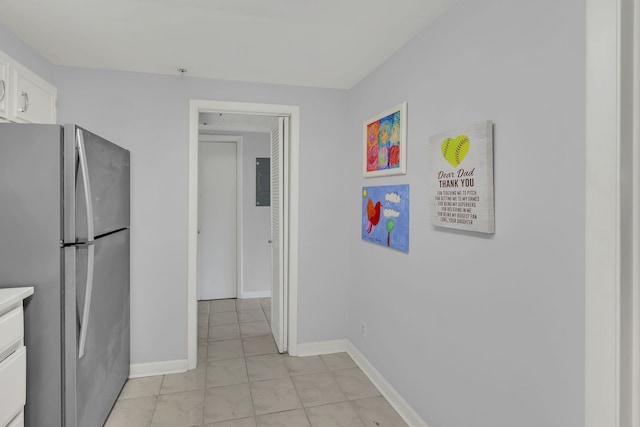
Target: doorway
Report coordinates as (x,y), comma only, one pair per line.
(219,202)
(289,284)
(612,223)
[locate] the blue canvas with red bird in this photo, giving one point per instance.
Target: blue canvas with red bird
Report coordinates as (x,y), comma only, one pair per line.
(385,216)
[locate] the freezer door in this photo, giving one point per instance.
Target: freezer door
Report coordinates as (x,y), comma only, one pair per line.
(104,167)
(101,372)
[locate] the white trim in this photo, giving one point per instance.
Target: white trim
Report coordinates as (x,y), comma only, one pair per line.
(293,111)
(236,139)
(322,347)
(255,294)
(293,182)
(402,407)
(612,324)
(635,347)
(235,127)
(139,370)
(284,138)
(192,240)
(240,219)
(219,138)
(602,215)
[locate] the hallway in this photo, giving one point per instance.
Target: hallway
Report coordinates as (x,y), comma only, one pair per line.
(241,381)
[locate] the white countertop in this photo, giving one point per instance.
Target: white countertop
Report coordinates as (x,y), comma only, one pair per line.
(10,296)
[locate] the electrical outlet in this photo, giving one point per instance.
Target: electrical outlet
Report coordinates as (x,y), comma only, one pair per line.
(363,330)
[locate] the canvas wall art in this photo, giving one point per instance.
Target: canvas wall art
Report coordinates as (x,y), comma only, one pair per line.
(461,178)
(385,143)
(385,216)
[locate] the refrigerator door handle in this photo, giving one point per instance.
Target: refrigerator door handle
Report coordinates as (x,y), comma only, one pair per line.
(87,300)
(84,172)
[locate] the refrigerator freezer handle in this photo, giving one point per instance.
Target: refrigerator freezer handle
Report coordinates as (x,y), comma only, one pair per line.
(84,171)
(87,300)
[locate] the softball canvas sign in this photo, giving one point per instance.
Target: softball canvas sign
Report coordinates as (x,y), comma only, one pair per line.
(461,178)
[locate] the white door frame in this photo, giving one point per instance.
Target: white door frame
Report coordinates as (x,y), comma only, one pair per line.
(635,345)
(612,210)
(196,106)
(238,141)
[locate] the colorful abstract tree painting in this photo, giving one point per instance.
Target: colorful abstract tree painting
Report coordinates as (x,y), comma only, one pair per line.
(385,143)
(385,216)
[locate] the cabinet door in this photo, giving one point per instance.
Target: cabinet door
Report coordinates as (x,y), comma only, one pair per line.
(33,99)
(18,421)
(4,86)
(13,385)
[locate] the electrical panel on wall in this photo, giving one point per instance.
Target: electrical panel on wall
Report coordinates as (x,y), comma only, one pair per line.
(263,181)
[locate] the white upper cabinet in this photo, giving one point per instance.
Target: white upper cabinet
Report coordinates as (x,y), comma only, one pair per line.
(33,99)
(24,96)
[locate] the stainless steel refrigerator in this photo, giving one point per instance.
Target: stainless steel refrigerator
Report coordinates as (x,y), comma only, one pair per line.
(64,229)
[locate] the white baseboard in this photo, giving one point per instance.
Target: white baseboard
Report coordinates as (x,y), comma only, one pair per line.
(321,347)
(139,370)
(256,294)
(398,403)
(401,406)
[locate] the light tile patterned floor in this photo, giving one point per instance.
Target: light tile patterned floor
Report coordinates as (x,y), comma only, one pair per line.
(242,381)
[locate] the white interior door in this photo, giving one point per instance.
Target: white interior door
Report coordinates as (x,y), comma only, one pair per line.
(217,216)
(278,238)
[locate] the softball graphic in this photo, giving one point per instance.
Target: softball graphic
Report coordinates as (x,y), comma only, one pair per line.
(455,149)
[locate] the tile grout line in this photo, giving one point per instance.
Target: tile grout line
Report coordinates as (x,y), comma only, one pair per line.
(253,405)
(155,404)
(249,379)
(246,368)
(304,409)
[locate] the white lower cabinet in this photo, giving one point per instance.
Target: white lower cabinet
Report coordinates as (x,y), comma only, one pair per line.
(13,356)
(13,385)
(11,331)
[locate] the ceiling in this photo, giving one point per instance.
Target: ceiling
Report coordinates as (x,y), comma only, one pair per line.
(328,43)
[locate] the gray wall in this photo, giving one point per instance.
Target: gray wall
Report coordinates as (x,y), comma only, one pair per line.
(474,330)
(256,221)
(148,114)
(18,50)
